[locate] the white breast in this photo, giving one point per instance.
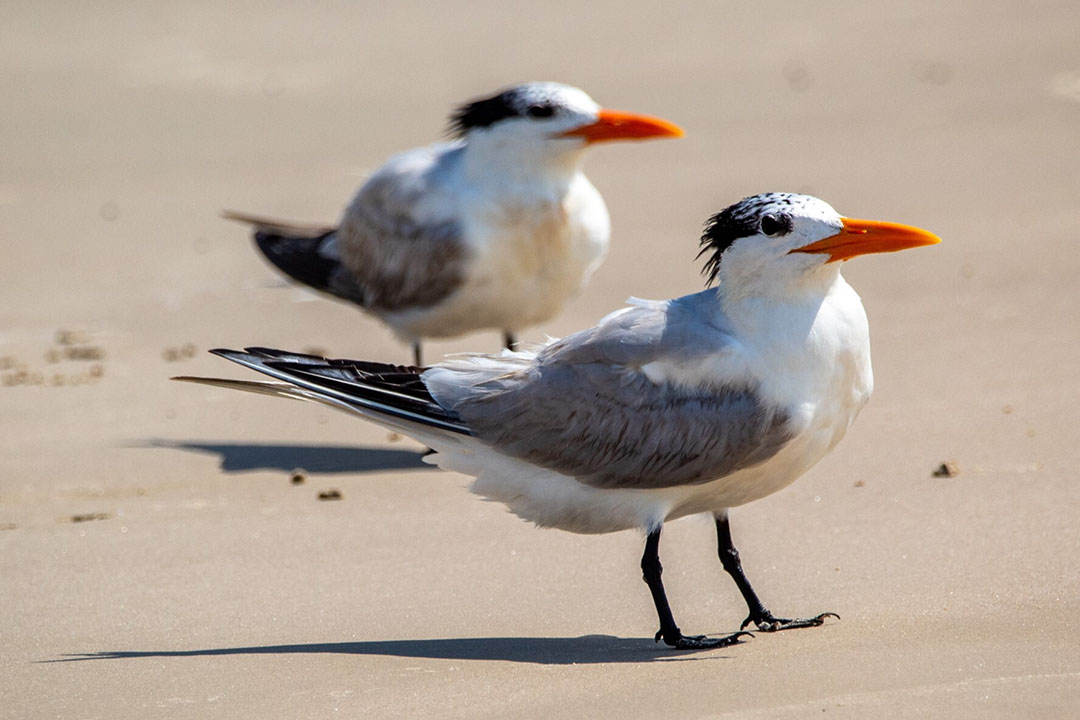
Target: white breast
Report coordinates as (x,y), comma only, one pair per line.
(527,257)
(823,379)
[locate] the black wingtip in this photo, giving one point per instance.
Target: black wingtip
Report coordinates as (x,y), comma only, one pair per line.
(310,261)
(269,352)
(298,257)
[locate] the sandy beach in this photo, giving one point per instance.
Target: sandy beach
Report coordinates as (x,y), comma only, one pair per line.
(157,558)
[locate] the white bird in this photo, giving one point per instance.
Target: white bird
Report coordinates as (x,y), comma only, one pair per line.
(494,230)
(663,409)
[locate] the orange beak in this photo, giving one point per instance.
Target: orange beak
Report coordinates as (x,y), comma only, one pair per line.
(616,125)
(860,237)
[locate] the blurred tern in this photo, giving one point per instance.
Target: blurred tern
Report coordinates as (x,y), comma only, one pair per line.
(663,409)
(494,230)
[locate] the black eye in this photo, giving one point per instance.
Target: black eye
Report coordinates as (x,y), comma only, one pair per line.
(774,225)
(540,111)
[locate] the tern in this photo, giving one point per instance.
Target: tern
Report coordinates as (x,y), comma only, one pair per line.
(664,408)
(496,229)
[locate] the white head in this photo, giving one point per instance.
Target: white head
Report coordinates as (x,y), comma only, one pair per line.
(782,244)
(546,119)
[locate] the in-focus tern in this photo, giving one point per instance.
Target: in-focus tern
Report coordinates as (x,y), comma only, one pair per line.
(494,230)
(663,409)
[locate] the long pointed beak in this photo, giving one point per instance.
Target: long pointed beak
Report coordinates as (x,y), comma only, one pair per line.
(617,125)
(861,237)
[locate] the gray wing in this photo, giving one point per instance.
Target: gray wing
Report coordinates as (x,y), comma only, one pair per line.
(400,238)
(585,408)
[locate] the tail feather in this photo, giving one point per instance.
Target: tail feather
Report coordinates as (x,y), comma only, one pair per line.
(275,389)
(313,261)
(306,253)
(288,227)
(395,393)
(425,434)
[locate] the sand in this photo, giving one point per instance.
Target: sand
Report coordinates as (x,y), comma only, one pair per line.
(156,558)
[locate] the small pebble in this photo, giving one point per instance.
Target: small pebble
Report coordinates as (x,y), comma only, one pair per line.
(946,469)
(330,495)
(298,477)
(86,517)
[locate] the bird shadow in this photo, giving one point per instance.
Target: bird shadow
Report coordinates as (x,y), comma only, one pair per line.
(585,650)
(315,459)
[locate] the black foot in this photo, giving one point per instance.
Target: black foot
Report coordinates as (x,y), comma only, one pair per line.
(765,622)
(699,642)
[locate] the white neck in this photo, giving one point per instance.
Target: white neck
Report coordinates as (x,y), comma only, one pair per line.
(811,338)
(791,306)
(494,161)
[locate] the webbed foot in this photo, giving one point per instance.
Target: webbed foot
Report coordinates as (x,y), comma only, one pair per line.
(766,622)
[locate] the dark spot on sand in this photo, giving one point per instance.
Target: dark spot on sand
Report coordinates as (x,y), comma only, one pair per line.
(947,469)
(87,517)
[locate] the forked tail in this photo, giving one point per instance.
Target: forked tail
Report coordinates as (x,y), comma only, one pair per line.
(306,253)
(390,395)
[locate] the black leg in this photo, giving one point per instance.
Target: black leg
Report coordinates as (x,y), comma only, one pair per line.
(759,614)
(669,631)
(509,341)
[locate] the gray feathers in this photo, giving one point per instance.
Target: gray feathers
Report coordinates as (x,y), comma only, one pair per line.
(397,259)
(585,408)
(613,428)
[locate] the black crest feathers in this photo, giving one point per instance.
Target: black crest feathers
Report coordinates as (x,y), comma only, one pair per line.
(483,113)
(722,229)
(743,219)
